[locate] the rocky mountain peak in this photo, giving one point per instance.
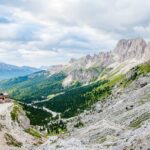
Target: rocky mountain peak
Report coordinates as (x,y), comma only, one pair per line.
(126,49)
(132,48)
(127,54)
(72,60)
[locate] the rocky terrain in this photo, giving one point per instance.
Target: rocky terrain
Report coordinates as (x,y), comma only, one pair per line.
(121,122)
(14,127)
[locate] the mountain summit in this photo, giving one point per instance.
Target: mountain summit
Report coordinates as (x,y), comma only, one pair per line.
(131,49)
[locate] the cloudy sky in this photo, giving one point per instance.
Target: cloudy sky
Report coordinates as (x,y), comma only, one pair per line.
(47,32)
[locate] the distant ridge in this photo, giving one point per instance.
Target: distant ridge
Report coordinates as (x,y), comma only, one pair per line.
(10,71)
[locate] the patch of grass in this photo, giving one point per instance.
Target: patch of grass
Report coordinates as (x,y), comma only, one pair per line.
(115,79)
(11,140)
(1,127)
(144,68)
(51,96)
(139,120)
(136,72)
(33,132)
(102,139)
(14,113)
(75,84)
(145,99)
(56,127)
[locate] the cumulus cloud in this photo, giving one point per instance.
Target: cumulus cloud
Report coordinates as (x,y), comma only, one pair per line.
(47,32)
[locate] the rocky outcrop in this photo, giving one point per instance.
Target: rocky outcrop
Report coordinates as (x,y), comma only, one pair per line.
(129,49)
(102,59)
(23,120)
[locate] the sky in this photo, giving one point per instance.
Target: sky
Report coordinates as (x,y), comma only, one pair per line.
(49,32)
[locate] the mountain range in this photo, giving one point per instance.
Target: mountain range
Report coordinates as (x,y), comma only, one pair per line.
(126,55)
(94,102)
(10,71)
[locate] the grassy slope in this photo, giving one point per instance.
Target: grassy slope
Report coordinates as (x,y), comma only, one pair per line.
(30,88)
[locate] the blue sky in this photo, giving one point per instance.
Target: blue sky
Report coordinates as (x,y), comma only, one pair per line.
(47,32)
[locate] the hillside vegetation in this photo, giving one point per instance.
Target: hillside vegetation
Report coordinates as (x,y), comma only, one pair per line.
(34,87)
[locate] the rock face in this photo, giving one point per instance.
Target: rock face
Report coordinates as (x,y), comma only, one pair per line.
(24,122)
(130,49)
(87,68)
(56,68)
(100,60)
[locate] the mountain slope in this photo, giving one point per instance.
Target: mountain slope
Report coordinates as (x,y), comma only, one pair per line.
(121,121)
(122,114)
(14,125)
(34,87)
(10,71)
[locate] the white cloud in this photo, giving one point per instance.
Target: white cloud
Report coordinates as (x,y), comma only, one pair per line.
(45,32)
(8,31)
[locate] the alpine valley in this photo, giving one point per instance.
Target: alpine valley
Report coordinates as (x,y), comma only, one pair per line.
(98,102)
